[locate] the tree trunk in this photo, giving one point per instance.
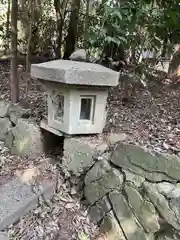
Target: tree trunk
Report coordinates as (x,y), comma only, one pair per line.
(31,20)
(174,64)
(60,16)
(14,60)
(7,25)
(86,23)
(59,26)
(72,29)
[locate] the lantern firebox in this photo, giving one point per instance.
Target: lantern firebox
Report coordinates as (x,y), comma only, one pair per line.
(77,94)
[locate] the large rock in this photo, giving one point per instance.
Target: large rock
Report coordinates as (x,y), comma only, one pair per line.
(4,108)
(112,180)
(110,228)
(161,204)
(97,171)
(99,210)
(153,168)
(143,209)
(18,198)
(27,139)
(5,126)
(125,217)
(77,156)
(165,188)
(134,178)
(79,55)
(16,112)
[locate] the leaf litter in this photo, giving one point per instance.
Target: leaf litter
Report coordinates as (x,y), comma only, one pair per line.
(148,120)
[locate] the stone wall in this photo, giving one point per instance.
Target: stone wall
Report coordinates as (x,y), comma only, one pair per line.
(134,194)
(21,133)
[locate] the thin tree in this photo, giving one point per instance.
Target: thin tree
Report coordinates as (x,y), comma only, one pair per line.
(7,25)
(72,29)
(14,59)
(61,11)
(86,23)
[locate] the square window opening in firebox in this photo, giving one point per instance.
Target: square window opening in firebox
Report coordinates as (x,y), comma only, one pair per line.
(87,108)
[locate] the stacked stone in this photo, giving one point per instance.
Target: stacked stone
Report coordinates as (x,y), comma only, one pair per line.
(135,195)
(20,133)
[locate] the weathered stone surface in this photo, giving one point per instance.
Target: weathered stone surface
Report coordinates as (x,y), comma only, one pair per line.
(174,204)
(127,221)
(44,125)
(143,210)
(99,210)
(4,108)
(143,163)
(3,236)
(71,72)
(169,236)
(175,193)
(161,204)
(18,198)
(8,141)
(112,180)
(165,188)
(27,139)
(78,156)
(134,178)
(110,228)
(47,189)
(97,171)
(79,55)
(113,138)
(5,126)
(146,203)
(16,112)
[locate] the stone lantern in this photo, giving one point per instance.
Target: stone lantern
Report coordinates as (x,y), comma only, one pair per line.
(77,94)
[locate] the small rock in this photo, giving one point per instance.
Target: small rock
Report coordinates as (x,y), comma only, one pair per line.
(69,205)
(73,191)
(165,145)
(79,55)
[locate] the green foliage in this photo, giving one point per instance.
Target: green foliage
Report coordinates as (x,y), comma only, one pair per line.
(115,28)
(138,26)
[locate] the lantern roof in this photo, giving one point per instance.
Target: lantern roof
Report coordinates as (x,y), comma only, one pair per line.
(76,73)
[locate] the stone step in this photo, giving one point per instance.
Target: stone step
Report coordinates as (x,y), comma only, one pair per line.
(18,198)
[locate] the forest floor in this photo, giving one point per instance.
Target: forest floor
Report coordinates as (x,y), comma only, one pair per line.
(151,119)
